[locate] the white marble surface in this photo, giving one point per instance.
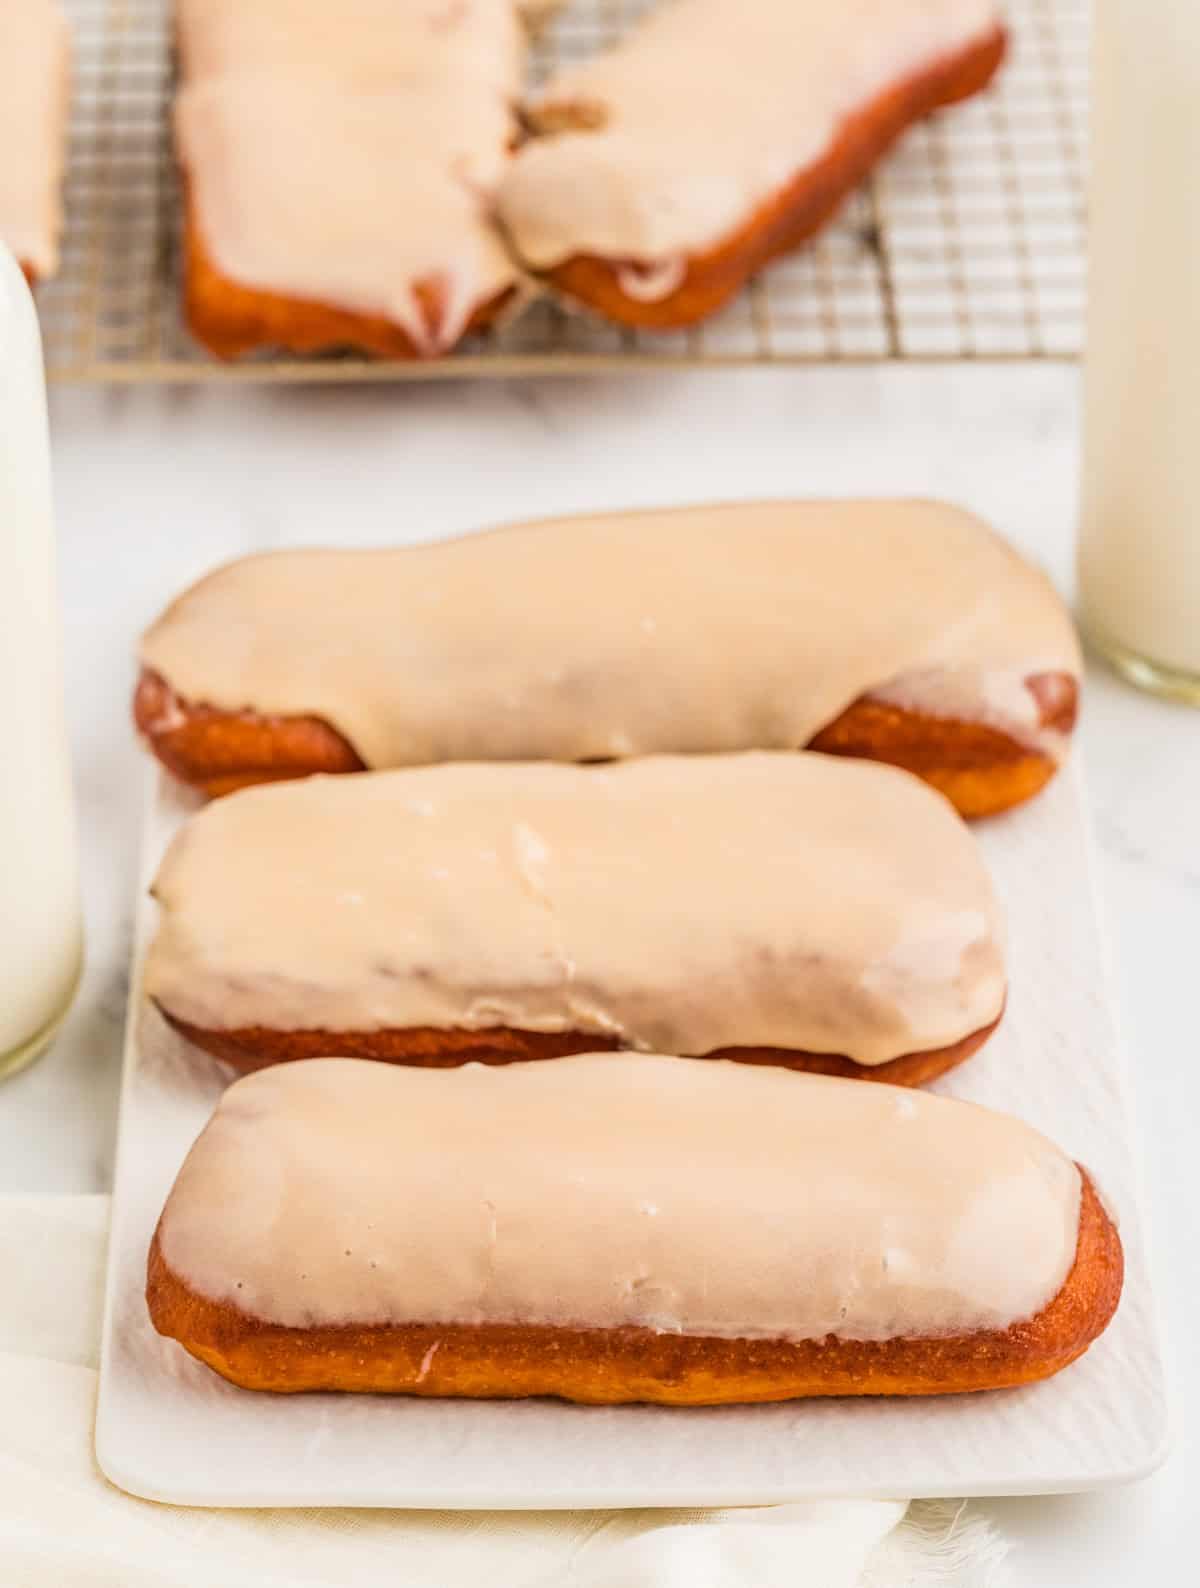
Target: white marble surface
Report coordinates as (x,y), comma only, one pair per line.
(155,486)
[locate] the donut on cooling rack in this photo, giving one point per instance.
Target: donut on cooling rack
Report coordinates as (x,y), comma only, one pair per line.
(339,163)
(716,137)
(35,87)
(900,631)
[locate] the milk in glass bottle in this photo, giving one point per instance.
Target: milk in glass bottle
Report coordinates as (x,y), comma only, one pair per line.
(40,926)
(1139,551)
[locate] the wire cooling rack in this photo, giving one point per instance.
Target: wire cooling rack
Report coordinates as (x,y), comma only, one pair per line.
(968,242)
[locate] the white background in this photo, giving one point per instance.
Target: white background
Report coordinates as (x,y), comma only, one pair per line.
(153,487)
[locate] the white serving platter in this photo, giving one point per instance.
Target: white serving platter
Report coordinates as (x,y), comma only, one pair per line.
(168,1429)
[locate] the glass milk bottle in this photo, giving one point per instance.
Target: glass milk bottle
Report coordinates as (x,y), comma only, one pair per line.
(1139,552)
(41,936)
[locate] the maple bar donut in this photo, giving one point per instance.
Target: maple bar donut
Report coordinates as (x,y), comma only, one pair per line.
(779,909)
(339,166)
(715,137)
(625,1228)
(35,90)
(901,631)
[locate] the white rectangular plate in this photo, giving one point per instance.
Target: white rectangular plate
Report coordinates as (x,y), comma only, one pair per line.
(168,1429)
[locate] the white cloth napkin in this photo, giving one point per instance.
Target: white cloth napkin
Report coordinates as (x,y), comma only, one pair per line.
(63,1526)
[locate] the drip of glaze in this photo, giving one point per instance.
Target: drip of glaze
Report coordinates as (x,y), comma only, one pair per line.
(651,283)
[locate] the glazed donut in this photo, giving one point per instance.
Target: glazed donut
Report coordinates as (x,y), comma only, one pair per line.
(778,909)
(748,1235)
(339,164)
(900,631)
(715,137)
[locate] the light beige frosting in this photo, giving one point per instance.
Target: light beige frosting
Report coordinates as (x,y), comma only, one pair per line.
(685,904)
(34,106)
(617,1189)
(367,42)
(348,155)
(703,112)
(745,626)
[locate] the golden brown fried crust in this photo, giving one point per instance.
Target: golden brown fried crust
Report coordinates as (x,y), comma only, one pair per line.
(425,1047)
(979,768)
(607,1366)
(794,214)
(219,751)
(231,319)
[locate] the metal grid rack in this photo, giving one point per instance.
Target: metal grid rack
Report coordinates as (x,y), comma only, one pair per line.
(968,242)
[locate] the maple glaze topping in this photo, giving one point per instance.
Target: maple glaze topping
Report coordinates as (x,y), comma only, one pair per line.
(348,154)
(705,110)
(607,1190)
(685,904)
(741,626)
